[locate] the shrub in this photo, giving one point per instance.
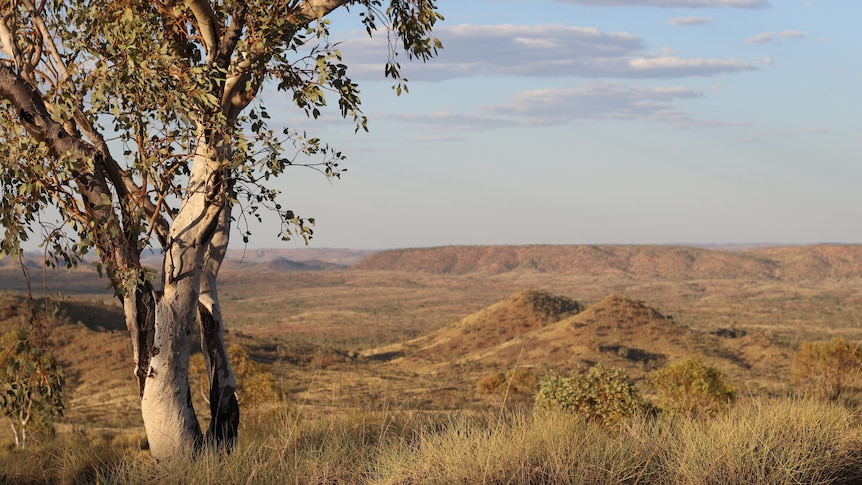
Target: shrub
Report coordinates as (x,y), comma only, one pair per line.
(691,388)
(601,394)
(31,387)
(825,369)
(491,383)
(516,382)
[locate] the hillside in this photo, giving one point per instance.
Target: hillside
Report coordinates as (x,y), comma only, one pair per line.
(90,341)
(621,332)
(617,331)
(661,262)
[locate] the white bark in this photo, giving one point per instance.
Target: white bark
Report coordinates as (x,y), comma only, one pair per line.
(170,421)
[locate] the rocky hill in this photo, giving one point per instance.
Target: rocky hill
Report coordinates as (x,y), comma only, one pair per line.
(523,331)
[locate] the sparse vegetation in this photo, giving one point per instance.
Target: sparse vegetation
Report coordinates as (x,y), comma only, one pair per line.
(606,396)
(826,369)
(691,389)
(409,417)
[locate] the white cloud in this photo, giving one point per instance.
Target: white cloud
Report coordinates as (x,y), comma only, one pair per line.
(672,3)
(769,37)
(538,51)
(689,21)
(669,66)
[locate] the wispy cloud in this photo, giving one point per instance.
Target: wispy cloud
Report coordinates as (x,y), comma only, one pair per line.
(769,37)
(593,101)
(690,21)
(672,3)
(540,51)
(760,135)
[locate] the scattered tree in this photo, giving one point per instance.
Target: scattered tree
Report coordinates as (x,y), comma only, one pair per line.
(691,388)
(603,394)
(825,369)
(31,385)
(134,121)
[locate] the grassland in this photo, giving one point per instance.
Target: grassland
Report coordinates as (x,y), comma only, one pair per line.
(380,363)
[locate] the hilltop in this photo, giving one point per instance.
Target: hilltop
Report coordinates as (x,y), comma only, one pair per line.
(660,262)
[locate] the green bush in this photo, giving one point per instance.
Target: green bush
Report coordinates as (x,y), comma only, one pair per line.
(691,388)
(601,394)
(826,369)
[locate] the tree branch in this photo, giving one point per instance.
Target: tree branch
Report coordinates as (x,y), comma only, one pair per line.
(46,37)
(118,254)
(317,9)
(230,37)
(9,45)
(122,181)
(207,25)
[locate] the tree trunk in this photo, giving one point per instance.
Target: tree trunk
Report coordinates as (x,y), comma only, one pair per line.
(224,409)
(166,403)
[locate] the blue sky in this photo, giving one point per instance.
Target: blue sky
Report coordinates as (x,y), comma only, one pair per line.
(598,121)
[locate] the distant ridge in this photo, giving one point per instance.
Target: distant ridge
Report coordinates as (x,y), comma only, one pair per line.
(294,259)
(669,262)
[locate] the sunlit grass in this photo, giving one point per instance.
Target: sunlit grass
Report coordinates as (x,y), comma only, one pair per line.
(779,441)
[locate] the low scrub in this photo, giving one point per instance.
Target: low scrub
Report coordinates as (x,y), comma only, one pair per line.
(826,369)
(692,389)
(601,394)
(517,383)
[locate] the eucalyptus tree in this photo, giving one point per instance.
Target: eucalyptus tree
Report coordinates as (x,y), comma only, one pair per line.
(140,124)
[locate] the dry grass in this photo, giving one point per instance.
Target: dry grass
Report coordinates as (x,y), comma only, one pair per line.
(774,442)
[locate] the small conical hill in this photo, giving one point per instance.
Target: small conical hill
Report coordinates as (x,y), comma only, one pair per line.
(501,322)
(616,331)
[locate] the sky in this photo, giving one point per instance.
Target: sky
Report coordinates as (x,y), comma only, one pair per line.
(597,122)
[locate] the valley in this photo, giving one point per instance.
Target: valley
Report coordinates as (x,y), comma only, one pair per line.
(416,330)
